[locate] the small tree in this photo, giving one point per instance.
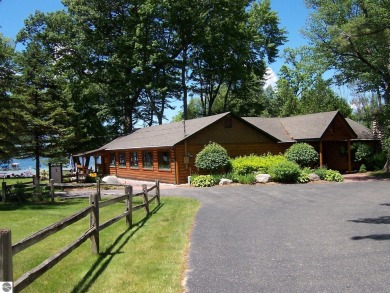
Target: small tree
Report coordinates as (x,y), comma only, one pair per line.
(302,153)
(213,158)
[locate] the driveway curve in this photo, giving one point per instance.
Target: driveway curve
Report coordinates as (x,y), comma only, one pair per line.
(290,238)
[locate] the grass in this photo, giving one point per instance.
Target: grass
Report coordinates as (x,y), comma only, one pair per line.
(150,257)
(380,174)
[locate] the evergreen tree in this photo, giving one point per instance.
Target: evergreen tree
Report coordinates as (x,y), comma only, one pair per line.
(44,110)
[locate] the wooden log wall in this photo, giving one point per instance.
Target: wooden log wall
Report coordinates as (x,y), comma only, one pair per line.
(145,174)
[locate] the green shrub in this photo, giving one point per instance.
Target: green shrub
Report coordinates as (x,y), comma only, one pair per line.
(377,161)
(332,175)
(286,171)
(246,179)
(232,176)
(362,152)
(362,169)
(213,158)
(366,154)
(203,181)
(302,153)
(321,172)
(304,176)
(255,164)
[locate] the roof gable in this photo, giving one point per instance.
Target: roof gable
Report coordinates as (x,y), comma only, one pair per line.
(308,127)
(318,125)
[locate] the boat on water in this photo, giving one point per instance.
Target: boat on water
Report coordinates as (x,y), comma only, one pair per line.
(14,170)
(10,167)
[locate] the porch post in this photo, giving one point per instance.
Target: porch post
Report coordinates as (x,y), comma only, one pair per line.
(321,156)
(349,157)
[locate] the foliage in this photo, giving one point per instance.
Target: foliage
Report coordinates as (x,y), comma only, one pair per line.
(302,88)
(321,172)
(203,181)
(194,110)
(213,158)
(332,175)
(286,171)
(329,174)
(362,168)
(362,152)
(304,175)
(253,163)
(366,154)
(46,113)
(352,37)
(249,178)
(302,153)
(9,122)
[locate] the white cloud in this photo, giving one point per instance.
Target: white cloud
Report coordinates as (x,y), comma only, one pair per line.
(270,78)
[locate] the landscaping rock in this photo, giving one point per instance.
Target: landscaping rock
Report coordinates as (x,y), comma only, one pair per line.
(111,180)
(314,177)
(224,181)
(263,178)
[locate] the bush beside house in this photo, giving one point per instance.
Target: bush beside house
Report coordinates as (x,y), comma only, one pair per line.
(289,168)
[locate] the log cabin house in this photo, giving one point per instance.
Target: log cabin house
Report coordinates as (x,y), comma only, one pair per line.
(167,152)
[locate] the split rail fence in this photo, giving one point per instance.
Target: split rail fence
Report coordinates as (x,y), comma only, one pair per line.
(8,250)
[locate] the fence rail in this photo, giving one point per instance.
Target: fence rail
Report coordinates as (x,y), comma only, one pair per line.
(8,190)
(7,250)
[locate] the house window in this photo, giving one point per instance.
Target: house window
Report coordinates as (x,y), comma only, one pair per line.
(148,160)
(122,160)
(112,160)
(164,161)
(134,160)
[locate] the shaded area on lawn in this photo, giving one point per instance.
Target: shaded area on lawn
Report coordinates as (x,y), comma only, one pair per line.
(38,206)
(106,257)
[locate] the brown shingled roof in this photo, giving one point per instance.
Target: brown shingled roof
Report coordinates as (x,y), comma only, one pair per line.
(362,132)
(272,126)
(305,127)
(288,129)
(165,135)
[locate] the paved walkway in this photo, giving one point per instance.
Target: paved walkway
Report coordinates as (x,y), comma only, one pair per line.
(331,237)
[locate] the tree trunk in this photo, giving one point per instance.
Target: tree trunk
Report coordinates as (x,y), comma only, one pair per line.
(183,83)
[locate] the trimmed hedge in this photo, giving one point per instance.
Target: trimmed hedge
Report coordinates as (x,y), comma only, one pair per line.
(213,158)
(287,171)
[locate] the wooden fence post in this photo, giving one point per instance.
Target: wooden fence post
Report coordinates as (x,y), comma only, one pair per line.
(6,268)
(4,190)
(145,198)
(129,205)
(52,189)
(158,191)
(98,189)
(94,222)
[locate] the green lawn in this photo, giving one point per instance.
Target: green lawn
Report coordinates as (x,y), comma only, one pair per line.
(150,257)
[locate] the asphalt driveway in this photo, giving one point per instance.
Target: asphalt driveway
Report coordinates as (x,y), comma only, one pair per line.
(290,238)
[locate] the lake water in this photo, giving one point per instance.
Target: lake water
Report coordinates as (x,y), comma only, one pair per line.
(28,164)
